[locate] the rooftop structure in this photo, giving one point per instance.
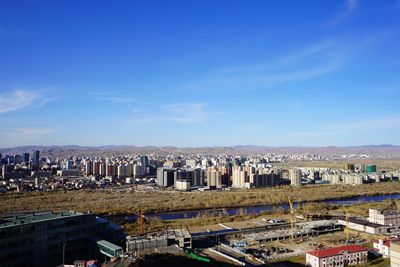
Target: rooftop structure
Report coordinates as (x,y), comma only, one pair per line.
(47,238)
(32,217)
(109,249)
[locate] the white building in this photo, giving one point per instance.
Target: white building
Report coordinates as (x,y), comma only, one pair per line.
(390,218)
(337,257)
(295,177)
(182,185)
(238,177)
(364,226)
(383,247)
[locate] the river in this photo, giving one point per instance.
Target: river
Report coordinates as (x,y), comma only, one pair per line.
(177,215)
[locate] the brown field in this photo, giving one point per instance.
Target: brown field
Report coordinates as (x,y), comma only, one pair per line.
(113,202)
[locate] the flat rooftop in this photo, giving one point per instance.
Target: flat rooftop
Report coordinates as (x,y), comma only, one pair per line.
(363,222)
(33,217)
(109,245)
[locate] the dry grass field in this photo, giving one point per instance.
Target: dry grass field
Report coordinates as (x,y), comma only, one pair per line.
(114,202)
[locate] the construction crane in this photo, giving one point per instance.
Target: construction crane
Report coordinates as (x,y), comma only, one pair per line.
(347,226)
(291,219)
(141,221)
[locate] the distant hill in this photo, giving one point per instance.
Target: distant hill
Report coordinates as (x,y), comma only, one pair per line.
(70,150)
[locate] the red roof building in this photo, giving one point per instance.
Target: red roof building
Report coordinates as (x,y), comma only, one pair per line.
(339,256)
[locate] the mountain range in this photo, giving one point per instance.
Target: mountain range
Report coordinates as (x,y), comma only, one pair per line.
(69,150)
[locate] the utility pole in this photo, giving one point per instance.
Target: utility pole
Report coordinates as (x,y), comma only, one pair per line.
(291,219)
(347,226)
(64,244)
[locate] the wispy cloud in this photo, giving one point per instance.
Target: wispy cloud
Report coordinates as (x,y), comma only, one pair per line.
(187,112)
(348,8)
(312,61)
(367,124)
(111,97)
(184,112)
(389,90)
(19,99)
(17,136)
(34,131)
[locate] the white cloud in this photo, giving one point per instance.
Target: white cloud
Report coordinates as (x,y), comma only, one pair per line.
(187,112)
(352,4)
(367,124)
(17,99)
(35,131)
(184,112)
(111,97)
(349,7)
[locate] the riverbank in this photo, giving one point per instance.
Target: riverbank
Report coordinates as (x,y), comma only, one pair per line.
(121,202)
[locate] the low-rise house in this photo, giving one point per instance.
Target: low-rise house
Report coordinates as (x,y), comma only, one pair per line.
(383,247)
(337,257)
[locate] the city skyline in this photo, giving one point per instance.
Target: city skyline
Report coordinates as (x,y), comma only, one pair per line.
(201,73)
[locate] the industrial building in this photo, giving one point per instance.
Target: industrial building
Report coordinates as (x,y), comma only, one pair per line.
(390,218)
(45,238)
(363,226)
(146,244)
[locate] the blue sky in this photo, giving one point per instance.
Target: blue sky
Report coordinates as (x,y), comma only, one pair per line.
(200,73)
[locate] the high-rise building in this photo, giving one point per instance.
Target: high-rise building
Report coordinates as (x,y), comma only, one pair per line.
(145,163)
(17,159)
(137,171)
(121,171)
(111,170)
(89,167)
(165,177)
(214,178)
(102,169)
(370,168)
(96,168)
(239,176)
(68,165)
(295,177)
(26,157)
(197,177)
(129,170)
(36,157)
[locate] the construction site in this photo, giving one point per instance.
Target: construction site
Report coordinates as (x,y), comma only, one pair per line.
(255,242)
